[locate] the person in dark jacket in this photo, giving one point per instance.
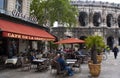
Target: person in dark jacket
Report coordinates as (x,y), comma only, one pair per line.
(115,50)
(32,56)
(63,65)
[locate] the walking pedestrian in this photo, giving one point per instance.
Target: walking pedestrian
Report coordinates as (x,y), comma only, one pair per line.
(115,50)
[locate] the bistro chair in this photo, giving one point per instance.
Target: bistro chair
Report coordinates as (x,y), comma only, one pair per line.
(56,67)
(43,66)
(78,65)
(26,64)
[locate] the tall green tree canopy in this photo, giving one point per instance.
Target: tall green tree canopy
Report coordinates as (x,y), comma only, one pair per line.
(54,10)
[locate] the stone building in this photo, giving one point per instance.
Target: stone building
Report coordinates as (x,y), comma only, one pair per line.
(22,6)
(95,18)
(19,32)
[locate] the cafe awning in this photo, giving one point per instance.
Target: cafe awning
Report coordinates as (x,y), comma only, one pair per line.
(16,30)
(70,41)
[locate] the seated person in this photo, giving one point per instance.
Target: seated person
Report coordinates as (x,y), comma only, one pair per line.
(56,57)
(63,65)
(39,54)
(32,56)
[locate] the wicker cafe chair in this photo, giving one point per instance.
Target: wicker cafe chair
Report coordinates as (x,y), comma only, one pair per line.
(56,66)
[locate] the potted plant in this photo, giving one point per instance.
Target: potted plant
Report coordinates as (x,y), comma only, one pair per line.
(95,44)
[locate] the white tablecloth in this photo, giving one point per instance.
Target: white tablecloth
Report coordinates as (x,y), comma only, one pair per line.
(39,60)
(11,61)
(71,61)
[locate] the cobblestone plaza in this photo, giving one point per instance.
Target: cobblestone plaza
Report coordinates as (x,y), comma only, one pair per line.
(110,69)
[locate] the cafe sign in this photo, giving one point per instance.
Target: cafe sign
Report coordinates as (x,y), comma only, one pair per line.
(23,16)
(21,36)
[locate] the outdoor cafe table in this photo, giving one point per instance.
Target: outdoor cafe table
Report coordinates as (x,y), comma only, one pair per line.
(11,61)
(14,62)
(71,61)
(40,63)
(39,60)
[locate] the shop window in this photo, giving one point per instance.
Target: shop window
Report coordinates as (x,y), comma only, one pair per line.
(3,47)
(18,5)
(3,5)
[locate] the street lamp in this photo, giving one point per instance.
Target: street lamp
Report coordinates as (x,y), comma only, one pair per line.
(116,26)
(90,15)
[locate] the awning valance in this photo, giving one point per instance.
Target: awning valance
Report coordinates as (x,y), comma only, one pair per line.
(15,30)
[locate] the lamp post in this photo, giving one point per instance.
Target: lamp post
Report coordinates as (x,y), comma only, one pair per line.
(89,19)
(103,21)
(116,27)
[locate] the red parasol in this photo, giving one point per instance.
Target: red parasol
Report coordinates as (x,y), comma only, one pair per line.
(70,40)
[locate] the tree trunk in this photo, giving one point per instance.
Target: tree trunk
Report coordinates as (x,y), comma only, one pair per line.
(94,55)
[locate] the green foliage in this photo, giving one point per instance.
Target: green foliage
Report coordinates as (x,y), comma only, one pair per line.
(54,10)
(98,41)
(95,44)
(53,45)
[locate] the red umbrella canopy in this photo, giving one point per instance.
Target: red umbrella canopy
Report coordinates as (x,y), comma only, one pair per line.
(70,40)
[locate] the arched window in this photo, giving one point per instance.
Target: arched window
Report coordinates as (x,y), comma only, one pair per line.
(119,41)
(81,46)
(109,20)
(118,19)
(83,18)
(110,42)
(18,5)
(96,19)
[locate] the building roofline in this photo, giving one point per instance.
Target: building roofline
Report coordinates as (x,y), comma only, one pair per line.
(18,20)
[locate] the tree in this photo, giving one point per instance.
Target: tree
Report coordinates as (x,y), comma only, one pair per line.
(95,44)
(49,11)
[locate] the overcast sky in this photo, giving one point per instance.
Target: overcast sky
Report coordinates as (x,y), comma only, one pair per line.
(111,1)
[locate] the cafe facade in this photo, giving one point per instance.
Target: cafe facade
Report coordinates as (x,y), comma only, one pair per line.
(18,35)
